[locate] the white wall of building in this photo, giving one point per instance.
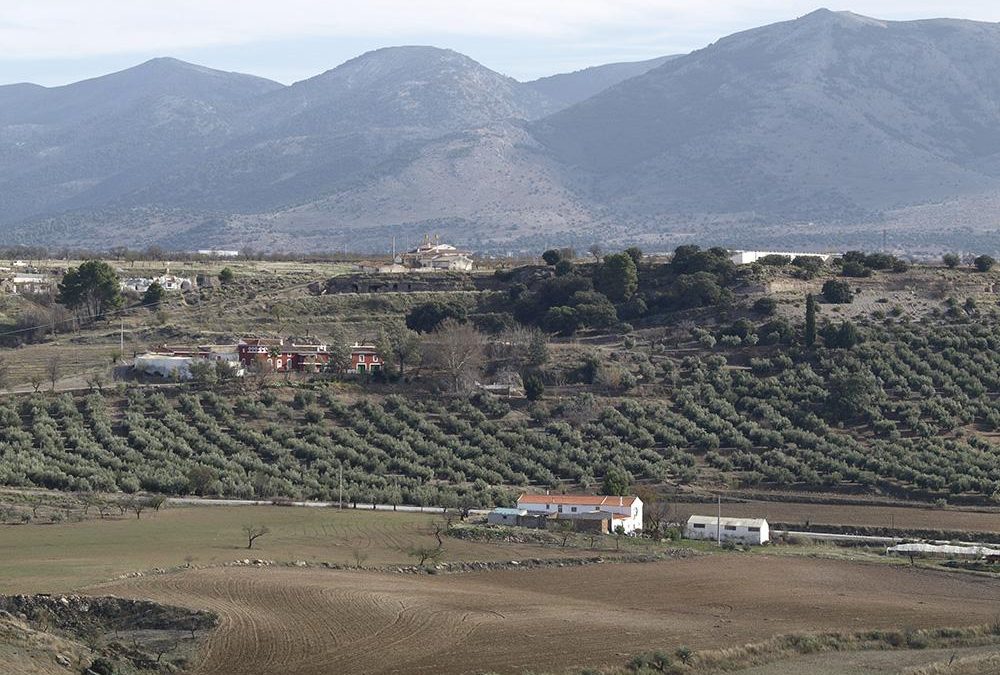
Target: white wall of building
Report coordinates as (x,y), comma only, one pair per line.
(747,257)
(738,530)
(614,505)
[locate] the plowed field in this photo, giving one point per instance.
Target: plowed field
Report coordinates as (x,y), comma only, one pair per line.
(312,621)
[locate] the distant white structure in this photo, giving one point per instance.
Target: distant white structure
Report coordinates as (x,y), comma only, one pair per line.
(216,253)
(164,365)
(739,530)
(747,257)
(370,267)
(137,284)
(168,282)
(505,516)
(432,256)
(27,283)
(944,550)
(177,364)
(626,512)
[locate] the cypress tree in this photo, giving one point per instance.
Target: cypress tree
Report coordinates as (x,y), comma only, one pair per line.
(810,320)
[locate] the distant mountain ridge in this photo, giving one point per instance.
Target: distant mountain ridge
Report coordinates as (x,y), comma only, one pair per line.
(807,131)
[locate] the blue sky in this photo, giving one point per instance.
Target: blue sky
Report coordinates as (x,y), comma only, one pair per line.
(54,42)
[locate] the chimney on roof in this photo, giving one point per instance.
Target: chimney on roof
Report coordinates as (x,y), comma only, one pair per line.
(621,501)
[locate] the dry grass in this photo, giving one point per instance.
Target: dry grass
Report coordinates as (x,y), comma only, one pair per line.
(979,664)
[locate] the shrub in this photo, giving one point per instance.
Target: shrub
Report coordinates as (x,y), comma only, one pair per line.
(837,292)
(552,256)
(950,260)
(984,263)
(765,306)
(534,388)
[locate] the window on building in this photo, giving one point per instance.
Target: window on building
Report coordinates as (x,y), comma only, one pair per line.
(754,529)
(361,367)
(573,509)
(560,508)
(699,526)
(730,527)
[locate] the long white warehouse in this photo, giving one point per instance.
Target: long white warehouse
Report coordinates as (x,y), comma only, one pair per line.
(738,530)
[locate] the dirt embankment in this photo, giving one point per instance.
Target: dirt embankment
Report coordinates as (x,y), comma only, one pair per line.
(45,633)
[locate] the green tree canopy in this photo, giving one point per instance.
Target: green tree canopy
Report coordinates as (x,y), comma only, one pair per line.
(154,295)
(617,277)
(838,292)
(810,330)
(398,345)
(552,256)
(616,482)
(92,289)
(984,263)
(426,318)
(951,260)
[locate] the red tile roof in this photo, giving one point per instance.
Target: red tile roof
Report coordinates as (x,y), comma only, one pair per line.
(584,500)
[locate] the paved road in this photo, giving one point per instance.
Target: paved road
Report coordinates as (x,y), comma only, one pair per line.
(200,501)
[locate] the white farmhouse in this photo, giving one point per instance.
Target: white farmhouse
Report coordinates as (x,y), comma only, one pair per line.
(737,530)
(626,512)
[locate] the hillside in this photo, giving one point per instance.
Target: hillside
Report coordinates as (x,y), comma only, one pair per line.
(831,117)
(815,132)
(566,89)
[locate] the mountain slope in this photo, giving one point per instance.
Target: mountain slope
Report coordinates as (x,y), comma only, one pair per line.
(86,143)
(834,119)
(566,89)
(831,116)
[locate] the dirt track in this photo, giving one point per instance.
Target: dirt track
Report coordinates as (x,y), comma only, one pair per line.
(306,622)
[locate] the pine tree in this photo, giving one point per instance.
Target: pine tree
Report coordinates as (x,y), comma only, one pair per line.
(810,320)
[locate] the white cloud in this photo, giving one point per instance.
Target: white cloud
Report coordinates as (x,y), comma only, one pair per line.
(42,29)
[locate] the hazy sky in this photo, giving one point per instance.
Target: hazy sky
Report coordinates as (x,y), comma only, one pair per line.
(58,41)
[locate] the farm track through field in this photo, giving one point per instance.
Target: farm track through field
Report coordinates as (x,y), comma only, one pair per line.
(317,621)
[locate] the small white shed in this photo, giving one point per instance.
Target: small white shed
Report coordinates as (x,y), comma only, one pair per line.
(737,530)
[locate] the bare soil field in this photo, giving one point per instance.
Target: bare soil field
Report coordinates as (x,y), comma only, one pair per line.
(58,558)
(311,621)
(897,517)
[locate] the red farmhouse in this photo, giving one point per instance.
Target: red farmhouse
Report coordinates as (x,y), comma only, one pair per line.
(310,357)
(365,359)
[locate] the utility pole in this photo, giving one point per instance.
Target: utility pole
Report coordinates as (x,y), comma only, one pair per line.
(718,522)
(121,341)
(341,499)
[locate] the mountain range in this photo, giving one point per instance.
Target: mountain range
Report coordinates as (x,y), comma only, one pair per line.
(819,132)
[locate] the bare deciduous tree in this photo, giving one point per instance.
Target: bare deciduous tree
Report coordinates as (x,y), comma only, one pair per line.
(254,532)
(564,528)
(140,504)
(53,369)
(425,554)
(456,349)
(103,508)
